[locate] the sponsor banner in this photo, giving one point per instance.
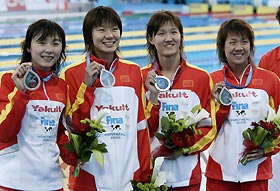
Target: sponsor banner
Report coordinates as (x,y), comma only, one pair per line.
(15,5)
(32,5)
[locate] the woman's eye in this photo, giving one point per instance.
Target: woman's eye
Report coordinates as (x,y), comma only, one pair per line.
(100,29)
(41,42)
(56,44)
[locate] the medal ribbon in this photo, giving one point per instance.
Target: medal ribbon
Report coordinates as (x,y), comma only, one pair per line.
(249,78)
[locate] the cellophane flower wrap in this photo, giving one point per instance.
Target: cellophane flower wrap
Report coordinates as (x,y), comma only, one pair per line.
(85,144)
(154,182)
(263,134)
(178,135)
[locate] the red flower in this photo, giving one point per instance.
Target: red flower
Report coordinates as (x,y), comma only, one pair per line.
(249,145)
(267,125)
(183,139)
(178,140)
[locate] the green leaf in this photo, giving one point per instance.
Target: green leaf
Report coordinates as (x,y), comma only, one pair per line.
(165,124)
(94,143)
(195,109)
(86,156)
(260,135)
(160,136)
(69,147)
(102,148)
(75,141)
(99,157)
(77,168)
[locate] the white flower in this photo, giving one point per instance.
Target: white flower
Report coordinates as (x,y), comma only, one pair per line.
(271,115)
(158,177)
(195,118)
(102,114)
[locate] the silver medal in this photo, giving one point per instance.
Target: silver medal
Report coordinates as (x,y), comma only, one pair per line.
(162,83)
(31,80)
(107,79)
(225,96)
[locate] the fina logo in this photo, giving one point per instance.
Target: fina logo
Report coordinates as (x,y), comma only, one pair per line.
(240,108)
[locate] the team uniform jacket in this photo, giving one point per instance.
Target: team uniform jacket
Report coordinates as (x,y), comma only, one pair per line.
(248,105)
(126,133)
(31,135)
(271,61)
(191,86)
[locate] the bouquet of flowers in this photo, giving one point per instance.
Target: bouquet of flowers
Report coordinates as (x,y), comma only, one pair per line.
(262,135)
(177,136)
(155,183)
(85,144)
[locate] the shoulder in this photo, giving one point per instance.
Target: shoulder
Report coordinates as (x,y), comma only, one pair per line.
(265,73)
(6,80)
(129,63)
(73,68)
(195,70)
(6,74)
(217,75)
(272,52)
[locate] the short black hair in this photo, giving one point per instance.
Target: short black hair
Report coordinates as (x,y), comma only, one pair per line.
(277,16)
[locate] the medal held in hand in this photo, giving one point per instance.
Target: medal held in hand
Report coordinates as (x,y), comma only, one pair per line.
(162,83)
(225,96)
(31,80)
(107,79)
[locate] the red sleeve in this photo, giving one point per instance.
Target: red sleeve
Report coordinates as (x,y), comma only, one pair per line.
(68,157)
(153,117)
(80,95)
(264,62)
(143,140)
(151,111)
(13,106)
(81,106)
(220,110)
(208,125)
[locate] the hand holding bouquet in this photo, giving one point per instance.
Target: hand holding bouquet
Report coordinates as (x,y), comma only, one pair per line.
(262,135)
(157,180)
(85,144)
(177,136)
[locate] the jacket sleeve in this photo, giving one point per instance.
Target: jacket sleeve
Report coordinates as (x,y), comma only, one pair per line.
(13,106)
(152,114)
(264,62)
(81,107)
(274,101)
(208,125)
(68,157)
(143,140)
(80,99)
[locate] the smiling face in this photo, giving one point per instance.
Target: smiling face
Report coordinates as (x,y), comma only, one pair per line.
(45,53)
(237,50)
(106,39)
(167,40)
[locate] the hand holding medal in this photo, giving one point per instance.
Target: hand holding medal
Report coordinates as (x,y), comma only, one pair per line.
(222,94)
(95,70)
(26,79)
